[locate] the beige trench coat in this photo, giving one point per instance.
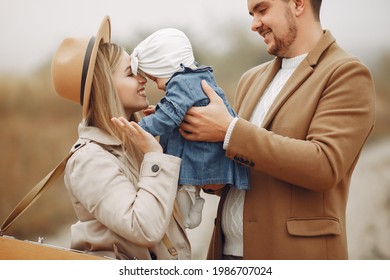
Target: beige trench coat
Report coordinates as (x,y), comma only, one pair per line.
(303,155)
(120,215)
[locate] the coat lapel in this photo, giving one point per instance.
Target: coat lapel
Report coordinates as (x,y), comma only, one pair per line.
(256,91)
(298,77)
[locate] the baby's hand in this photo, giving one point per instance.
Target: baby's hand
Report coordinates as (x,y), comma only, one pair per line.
(150,110)
(142,139)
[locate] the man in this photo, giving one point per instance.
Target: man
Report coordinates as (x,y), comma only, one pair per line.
(304,118)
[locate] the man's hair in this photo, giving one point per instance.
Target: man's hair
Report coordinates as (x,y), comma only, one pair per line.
(316,7)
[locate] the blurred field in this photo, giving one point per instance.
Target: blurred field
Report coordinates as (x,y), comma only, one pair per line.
(38,128)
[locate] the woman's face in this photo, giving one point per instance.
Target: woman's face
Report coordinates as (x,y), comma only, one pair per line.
(130,88)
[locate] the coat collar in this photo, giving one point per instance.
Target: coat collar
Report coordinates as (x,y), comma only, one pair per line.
(314,55)
(97,135)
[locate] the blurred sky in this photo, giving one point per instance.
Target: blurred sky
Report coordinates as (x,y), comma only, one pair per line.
(32,30)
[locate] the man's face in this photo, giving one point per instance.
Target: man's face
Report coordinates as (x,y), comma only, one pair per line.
(275,22)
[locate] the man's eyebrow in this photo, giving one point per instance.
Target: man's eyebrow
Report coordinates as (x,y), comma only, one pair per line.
(256,7)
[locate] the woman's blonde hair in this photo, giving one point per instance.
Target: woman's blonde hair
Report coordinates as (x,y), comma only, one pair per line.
(105,102)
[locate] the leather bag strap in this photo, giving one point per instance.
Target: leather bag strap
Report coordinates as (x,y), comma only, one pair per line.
(36,192)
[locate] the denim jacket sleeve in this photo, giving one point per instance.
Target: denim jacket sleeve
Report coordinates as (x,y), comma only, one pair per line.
(171,109)
(160,122)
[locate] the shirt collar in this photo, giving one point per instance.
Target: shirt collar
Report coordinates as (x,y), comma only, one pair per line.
(292,63)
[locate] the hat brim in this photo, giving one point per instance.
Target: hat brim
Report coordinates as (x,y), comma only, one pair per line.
(103,36)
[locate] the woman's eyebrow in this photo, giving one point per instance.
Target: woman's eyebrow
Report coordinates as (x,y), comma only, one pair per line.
(128,68)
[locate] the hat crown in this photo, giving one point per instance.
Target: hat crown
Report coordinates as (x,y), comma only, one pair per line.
(74,62)
(67,68)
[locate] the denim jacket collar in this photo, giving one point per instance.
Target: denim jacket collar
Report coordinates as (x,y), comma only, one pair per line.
(184,70)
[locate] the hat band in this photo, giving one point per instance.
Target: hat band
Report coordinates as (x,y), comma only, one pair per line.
(87,59)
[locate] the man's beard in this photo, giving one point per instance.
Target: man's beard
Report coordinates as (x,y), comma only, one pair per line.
(281,46)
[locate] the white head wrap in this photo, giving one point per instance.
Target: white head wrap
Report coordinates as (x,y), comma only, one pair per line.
(161,54)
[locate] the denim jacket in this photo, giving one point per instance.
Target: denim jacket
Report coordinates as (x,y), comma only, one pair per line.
(202,162)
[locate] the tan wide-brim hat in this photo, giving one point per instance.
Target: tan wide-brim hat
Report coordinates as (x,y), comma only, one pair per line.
(74,63)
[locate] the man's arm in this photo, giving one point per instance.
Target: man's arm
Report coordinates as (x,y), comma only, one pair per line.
(209,123)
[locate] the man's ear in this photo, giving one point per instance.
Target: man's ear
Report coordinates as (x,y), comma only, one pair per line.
(299,6)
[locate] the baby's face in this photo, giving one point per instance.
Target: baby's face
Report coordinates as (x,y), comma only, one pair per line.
(160,82)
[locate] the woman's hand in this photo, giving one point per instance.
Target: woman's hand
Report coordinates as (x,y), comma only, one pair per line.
(142,139)
(208,123)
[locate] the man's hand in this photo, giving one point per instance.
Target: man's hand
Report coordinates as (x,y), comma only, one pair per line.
(208,123)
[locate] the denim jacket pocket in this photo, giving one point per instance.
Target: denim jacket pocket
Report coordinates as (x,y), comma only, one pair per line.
(313,226)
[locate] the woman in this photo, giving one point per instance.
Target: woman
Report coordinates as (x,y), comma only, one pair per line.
(123,194)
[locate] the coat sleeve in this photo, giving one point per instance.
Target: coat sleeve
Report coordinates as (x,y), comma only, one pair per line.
(341,122)
(138,211)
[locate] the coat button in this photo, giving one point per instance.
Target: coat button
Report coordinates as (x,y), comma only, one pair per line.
(155,168)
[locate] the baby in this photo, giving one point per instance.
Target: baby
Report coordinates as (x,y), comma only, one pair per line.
(166,57)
